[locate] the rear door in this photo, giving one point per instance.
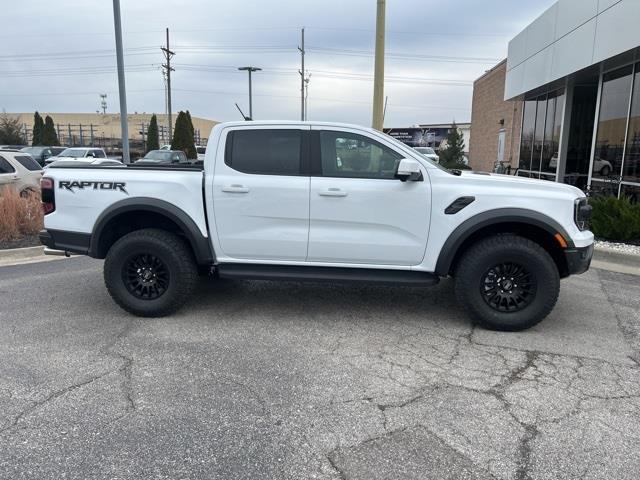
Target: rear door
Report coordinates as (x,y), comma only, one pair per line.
(261,193)
(8,174)
(359,212)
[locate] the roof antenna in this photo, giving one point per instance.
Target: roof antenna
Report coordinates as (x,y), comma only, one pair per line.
(247,119)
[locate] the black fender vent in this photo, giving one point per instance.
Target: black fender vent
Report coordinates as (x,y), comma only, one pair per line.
(458,204)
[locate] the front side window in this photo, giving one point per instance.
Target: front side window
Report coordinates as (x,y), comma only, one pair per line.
(265,151)
(356,156)
(99,154)
(5,167)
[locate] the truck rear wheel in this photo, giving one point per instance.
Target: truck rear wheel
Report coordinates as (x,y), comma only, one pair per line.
(150,273)
(507,282)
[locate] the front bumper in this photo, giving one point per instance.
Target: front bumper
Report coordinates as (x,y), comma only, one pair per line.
(579,259)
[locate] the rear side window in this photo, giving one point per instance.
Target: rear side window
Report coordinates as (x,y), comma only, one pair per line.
(6,167)
(28,162)
(265,152)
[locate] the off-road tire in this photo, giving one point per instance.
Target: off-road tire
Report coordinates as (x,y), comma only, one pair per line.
(472,272)
(177,262)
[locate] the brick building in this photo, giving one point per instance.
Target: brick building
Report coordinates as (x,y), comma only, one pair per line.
(565,106)
(496,123)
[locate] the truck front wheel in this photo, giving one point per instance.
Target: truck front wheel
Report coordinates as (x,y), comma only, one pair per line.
(150,272)
(507,282)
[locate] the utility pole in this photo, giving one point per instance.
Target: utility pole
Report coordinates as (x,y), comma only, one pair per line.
(378,77)
(302,79)
(124,123)
(250,70)
(168,69)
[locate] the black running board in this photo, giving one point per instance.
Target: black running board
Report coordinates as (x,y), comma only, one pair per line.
(326,274)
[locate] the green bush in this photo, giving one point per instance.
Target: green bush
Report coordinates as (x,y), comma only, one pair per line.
(616,219)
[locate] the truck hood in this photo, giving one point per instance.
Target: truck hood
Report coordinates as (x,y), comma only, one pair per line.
(529,184)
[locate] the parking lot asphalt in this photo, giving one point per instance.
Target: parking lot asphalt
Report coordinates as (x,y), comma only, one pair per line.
(258,380)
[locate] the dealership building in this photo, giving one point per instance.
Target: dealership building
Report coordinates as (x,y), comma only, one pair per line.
(565,105)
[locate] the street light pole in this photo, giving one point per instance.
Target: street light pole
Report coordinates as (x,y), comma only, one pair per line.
(124,122)
(250,70)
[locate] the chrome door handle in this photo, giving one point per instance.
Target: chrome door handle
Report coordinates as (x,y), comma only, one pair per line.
(235,188)
(332,192)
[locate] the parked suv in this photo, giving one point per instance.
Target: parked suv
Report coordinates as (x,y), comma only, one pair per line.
(40,154)
(20,172)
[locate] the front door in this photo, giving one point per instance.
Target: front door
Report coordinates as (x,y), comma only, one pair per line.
(261,194)
(359,212)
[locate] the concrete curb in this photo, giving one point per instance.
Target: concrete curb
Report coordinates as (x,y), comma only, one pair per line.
(20,256)
(615,261)
(605,259)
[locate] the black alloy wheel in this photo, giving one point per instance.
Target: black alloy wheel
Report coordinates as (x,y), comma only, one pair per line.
(508,287)
(145,276)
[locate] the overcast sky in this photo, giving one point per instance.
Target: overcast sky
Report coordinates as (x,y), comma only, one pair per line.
(59,56)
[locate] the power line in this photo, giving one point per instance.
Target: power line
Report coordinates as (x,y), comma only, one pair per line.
(431,58)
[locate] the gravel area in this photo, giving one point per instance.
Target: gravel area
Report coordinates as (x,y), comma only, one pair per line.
(618,247)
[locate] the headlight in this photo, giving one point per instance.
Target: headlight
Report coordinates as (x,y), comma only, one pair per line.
(582,213)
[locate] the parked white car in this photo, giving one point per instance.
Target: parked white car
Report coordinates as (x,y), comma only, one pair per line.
(201,152)
(75,153)
(428,152)
(20,172)
(323,202)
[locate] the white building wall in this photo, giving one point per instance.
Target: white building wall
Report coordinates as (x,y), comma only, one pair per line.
(569,36)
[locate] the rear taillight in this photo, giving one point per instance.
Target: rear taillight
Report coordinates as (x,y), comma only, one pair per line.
(48,195)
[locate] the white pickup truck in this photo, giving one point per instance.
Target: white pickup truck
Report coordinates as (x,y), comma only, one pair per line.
(322,202)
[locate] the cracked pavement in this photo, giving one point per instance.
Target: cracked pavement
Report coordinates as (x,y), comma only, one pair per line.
(285,380)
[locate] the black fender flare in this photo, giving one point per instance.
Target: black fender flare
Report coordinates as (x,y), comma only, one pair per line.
(200,244)
(494,217)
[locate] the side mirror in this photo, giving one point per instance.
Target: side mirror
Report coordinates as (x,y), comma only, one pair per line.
(409,170)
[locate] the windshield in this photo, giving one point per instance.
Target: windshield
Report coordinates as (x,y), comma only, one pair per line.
(163,156)
(427,159)
(425,150)
(35,150)
(73,152)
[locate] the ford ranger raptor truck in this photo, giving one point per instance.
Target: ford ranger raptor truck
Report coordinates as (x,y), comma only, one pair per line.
(321,202)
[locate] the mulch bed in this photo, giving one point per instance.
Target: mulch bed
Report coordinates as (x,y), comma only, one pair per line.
(27,241)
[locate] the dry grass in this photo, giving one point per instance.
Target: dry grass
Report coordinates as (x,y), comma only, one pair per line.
(19,216)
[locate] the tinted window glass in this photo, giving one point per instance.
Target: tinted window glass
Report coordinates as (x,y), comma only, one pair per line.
(99,154)
(355,156)
(28,162)
(265,152)
(528,127)
(631,170)
(612,124)
(5,167)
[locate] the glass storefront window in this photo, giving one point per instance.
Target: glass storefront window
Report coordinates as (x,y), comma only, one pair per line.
(551,152)
(528,128)
(631,168)
(542,123)
(538,136)
(631,191)
(612,123)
